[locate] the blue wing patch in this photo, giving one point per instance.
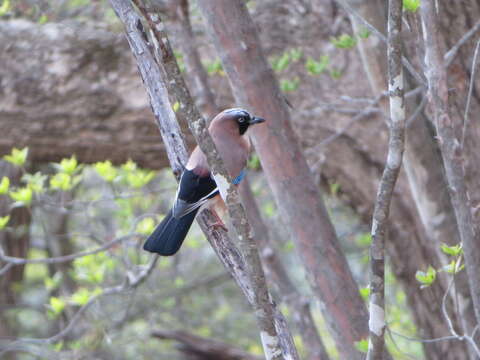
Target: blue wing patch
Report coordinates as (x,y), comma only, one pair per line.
(240,177)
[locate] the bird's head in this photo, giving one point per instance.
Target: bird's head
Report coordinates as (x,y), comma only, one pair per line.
(236,119)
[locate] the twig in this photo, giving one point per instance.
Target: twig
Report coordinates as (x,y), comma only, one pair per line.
(470,90)
(450,55)
(349,9)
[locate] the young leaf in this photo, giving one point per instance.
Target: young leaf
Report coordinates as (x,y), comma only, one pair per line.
(68,166)
(411,5)
(57,305)
(35,181)
(364,293)
(106,170)
(17,157)
(317,67)
(344,41)
(362,345)
(176,106)
(146,226)
(364,33)
(4,221)
(129,166)
(5,7)
(139,178)
(22,196)
(61,181)
(426,278)
(4,185)
(454,250)
(80,297)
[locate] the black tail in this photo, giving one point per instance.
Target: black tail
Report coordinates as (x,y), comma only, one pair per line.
(169,235)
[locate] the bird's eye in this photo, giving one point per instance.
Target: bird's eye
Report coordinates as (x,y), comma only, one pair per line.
(242,119)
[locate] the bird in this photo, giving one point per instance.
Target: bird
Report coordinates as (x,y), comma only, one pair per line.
(197,186)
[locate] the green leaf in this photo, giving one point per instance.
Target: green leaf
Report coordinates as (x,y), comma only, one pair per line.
(334,188)
(254,162)
(296,54)
(281,63)
(317,67)
(289,85)
(454,267)
(362,345)
(454,250)
(5,7)
(68,166)
(80,297)
(364,33)
(344,41)
(56,305)
(214,67)
(58,346)
(176,106)
(35,182)
(364,293)
(61,181)
(426,278)
(43,19)
(139,178)
(23,196)
(146,226)
(129,166)
(52,283)
(411,5)
(335,74)
(106,170)
(4,185)
(4,221)
(17,157)
(179,282)
(364,240)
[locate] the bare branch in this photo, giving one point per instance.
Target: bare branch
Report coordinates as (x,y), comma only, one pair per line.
(396,147)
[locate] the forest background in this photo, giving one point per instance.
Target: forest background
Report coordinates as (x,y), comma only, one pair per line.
(85,178)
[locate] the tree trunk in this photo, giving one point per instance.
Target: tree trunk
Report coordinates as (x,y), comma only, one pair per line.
(295,192)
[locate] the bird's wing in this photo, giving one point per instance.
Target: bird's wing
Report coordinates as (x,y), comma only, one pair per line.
(193,191)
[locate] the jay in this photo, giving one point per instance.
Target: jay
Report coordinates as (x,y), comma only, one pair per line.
(197,186)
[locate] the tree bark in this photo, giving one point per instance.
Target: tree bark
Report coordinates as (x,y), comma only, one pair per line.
(295,192)
(452,153)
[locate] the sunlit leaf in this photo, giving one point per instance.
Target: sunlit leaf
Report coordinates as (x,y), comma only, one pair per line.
(17,157)
(61,181)
(364,293)
(106,170)
(35,181)
(454,250)
(317,67)
(5,7)
(81,296)
(146,226)
(411,5)
(362,345)
(56,305)
(344,41)
(4,221)
(426,278)
(4,185)
(23,196)
(176,106)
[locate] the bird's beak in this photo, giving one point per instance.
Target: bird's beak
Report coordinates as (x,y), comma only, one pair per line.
(256,120)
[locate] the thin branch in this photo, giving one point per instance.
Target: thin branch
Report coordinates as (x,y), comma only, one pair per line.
(396,147)
(349,9)
(450,55)
(470,91)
